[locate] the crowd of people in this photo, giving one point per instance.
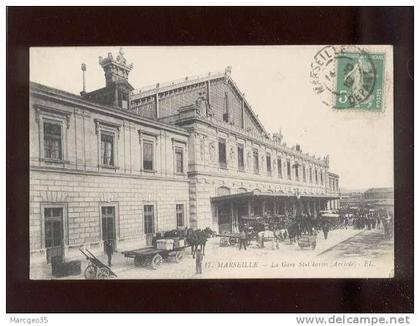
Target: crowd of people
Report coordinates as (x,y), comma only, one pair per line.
(370,220)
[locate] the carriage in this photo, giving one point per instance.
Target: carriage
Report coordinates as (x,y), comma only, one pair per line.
(307,240)
(228,239)
(154,257)
(96,269)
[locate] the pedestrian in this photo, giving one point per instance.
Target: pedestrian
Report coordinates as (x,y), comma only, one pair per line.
(242,239)
(325,229)
(109,250)
(198,261)
(346,221)
(277,236)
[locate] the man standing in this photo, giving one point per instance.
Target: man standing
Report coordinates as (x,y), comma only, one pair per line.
(109,249)
(325,229)
(242,239)
(198,261)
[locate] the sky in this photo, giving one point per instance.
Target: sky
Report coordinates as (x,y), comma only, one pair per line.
(276,82)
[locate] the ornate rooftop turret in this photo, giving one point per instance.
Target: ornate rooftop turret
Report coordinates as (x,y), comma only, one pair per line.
(115,69)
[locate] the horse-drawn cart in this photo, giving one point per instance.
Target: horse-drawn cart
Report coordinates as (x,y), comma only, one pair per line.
(154,257)
(307,240)
(228,239)
(96,269)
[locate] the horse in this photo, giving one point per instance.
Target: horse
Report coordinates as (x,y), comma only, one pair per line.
(197,238)
(294,231)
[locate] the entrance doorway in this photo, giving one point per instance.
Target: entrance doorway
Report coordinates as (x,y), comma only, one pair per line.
(54,235)
(108,224)
(149,223)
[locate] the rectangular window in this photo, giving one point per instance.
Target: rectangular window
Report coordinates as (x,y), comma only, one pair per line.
(316,176)
(322,178)
(226,113)
(289,172)
(304,172)
(53,227)
(268,161)
(279,168)
(107,149)
(296,165)
(241,165)
(180,215)
(149,219)
(52,141)
(147,155)
(256,162)
(222,153)
(179,160)
(108,222)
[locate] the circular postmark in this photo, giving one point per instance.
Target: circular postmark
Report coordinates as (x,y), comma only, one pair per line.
(346,77)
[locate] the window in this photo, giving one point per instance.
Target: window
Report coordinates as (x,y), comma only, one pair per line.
(241,164)
(123,100)
(53,141)
(107,149)
(53,227)
(304,172)
(108,222)
(222,153)
(179,160)
(149,219)
(279,168)
(256,162)
(147,156)
(316,176)
(226,114)
(322,178)
(289,172)
(268,163)
(296,166)
(310,174)
(180,215)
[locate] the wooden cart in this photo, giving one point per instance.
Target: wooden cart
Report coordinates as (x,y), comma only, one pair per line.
(153,257)
(306,241)
(96,269)
(228,239)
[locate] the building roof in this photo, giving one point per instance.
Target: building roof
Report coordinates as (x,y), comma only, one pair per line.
(382,190)
(109,109)
(193,80)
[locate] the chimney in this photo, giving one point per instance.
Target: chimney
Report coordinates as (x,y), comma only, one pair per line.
(84,79)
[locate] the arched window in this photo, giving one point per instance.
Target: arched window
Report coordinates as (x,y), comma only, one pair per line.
(222,191)
(241,190)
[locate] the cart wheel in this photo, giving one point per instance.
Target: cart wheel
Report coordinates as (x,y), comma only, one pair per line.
(223,242)
(90,272)
(137,261)
(103,273)
(157,261)
(179,255)
(232,241)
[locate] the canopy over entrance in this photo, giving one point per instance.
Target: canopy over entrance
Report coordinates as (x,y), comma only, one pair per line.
(233,210)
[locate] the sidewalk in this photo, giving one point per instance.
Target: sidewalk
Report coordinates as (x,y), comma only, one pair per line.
(214,254)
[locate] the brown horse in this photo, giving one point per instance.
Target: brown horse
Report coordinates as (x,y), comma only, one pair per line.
(197,238)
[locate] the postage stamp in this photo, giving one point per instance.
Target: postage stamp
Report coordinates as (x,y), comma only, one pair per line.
(353,76)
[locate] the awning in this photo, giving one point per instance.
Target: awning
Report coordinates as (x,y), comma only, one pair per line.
(256,194)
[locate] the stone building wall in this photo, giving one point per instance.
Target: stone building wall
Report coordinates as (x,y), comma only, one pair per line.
(79,184)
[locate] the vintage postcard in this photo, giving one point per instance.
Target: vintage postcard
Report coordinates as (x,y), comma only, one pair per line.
(235,162)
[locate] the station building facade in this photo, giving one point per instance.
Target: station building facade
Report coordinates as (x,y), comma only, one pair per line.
(121,164)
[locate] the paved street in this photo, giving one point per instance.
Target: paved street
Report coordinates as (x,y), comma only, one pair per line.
(346,253)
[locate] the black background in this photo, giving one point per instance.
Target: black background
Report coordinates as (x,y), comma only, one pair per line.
(53,26)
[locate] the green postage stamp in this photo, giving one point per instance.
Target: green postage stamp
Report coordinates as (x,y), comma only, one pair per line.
(359,81)
(349,77)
